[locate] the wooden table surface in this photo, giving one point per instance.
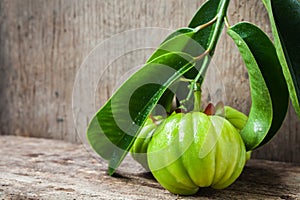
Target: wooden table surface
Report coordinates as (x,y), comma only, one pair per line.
(32,168)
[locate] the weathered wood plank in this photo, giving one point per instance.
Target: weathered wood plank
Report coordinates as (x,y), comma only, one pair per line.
(43,43)
(34,168)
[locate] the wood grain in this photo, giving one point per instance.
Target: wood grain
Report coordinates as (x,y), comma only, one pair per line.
(43,44)
(48,169)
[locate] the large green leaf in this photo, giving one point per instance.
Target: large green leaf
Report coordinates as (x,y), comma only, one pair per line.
(112,131)
(269,93)
(285,22)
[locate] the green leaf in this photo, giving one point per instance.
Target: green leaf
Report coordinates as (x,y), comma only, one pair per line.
(113,129)
(269,93)
(285,22)
(205,13)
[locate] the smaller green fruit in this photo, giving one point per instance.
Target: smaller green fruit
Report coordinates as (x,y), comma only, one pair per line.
(235,117)
(139,148)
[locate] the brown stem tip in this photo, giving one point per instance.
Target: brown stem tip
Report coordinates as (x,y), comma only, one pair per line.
(210,109)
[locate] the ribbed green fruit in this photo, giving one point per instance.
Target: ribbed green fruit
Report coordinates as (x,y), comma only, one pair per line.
(140,146)
(193,150)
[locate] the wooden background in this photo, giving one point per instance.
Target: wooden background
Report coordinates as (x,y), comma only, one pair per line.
(43,44)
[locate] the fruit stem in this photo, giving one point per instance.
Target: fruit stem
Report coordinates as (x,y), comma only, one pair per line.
(219,25)
(197,97)
(218,20)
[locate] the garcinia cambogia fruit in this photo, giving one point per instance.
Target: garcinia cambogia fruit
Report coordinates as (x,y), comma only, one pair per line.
(139,148)
(235,117)
(188,151)
(193,150)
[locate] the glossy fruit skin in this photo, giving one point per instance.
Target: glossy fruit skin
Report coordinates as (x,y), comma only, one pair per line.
(193,150)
